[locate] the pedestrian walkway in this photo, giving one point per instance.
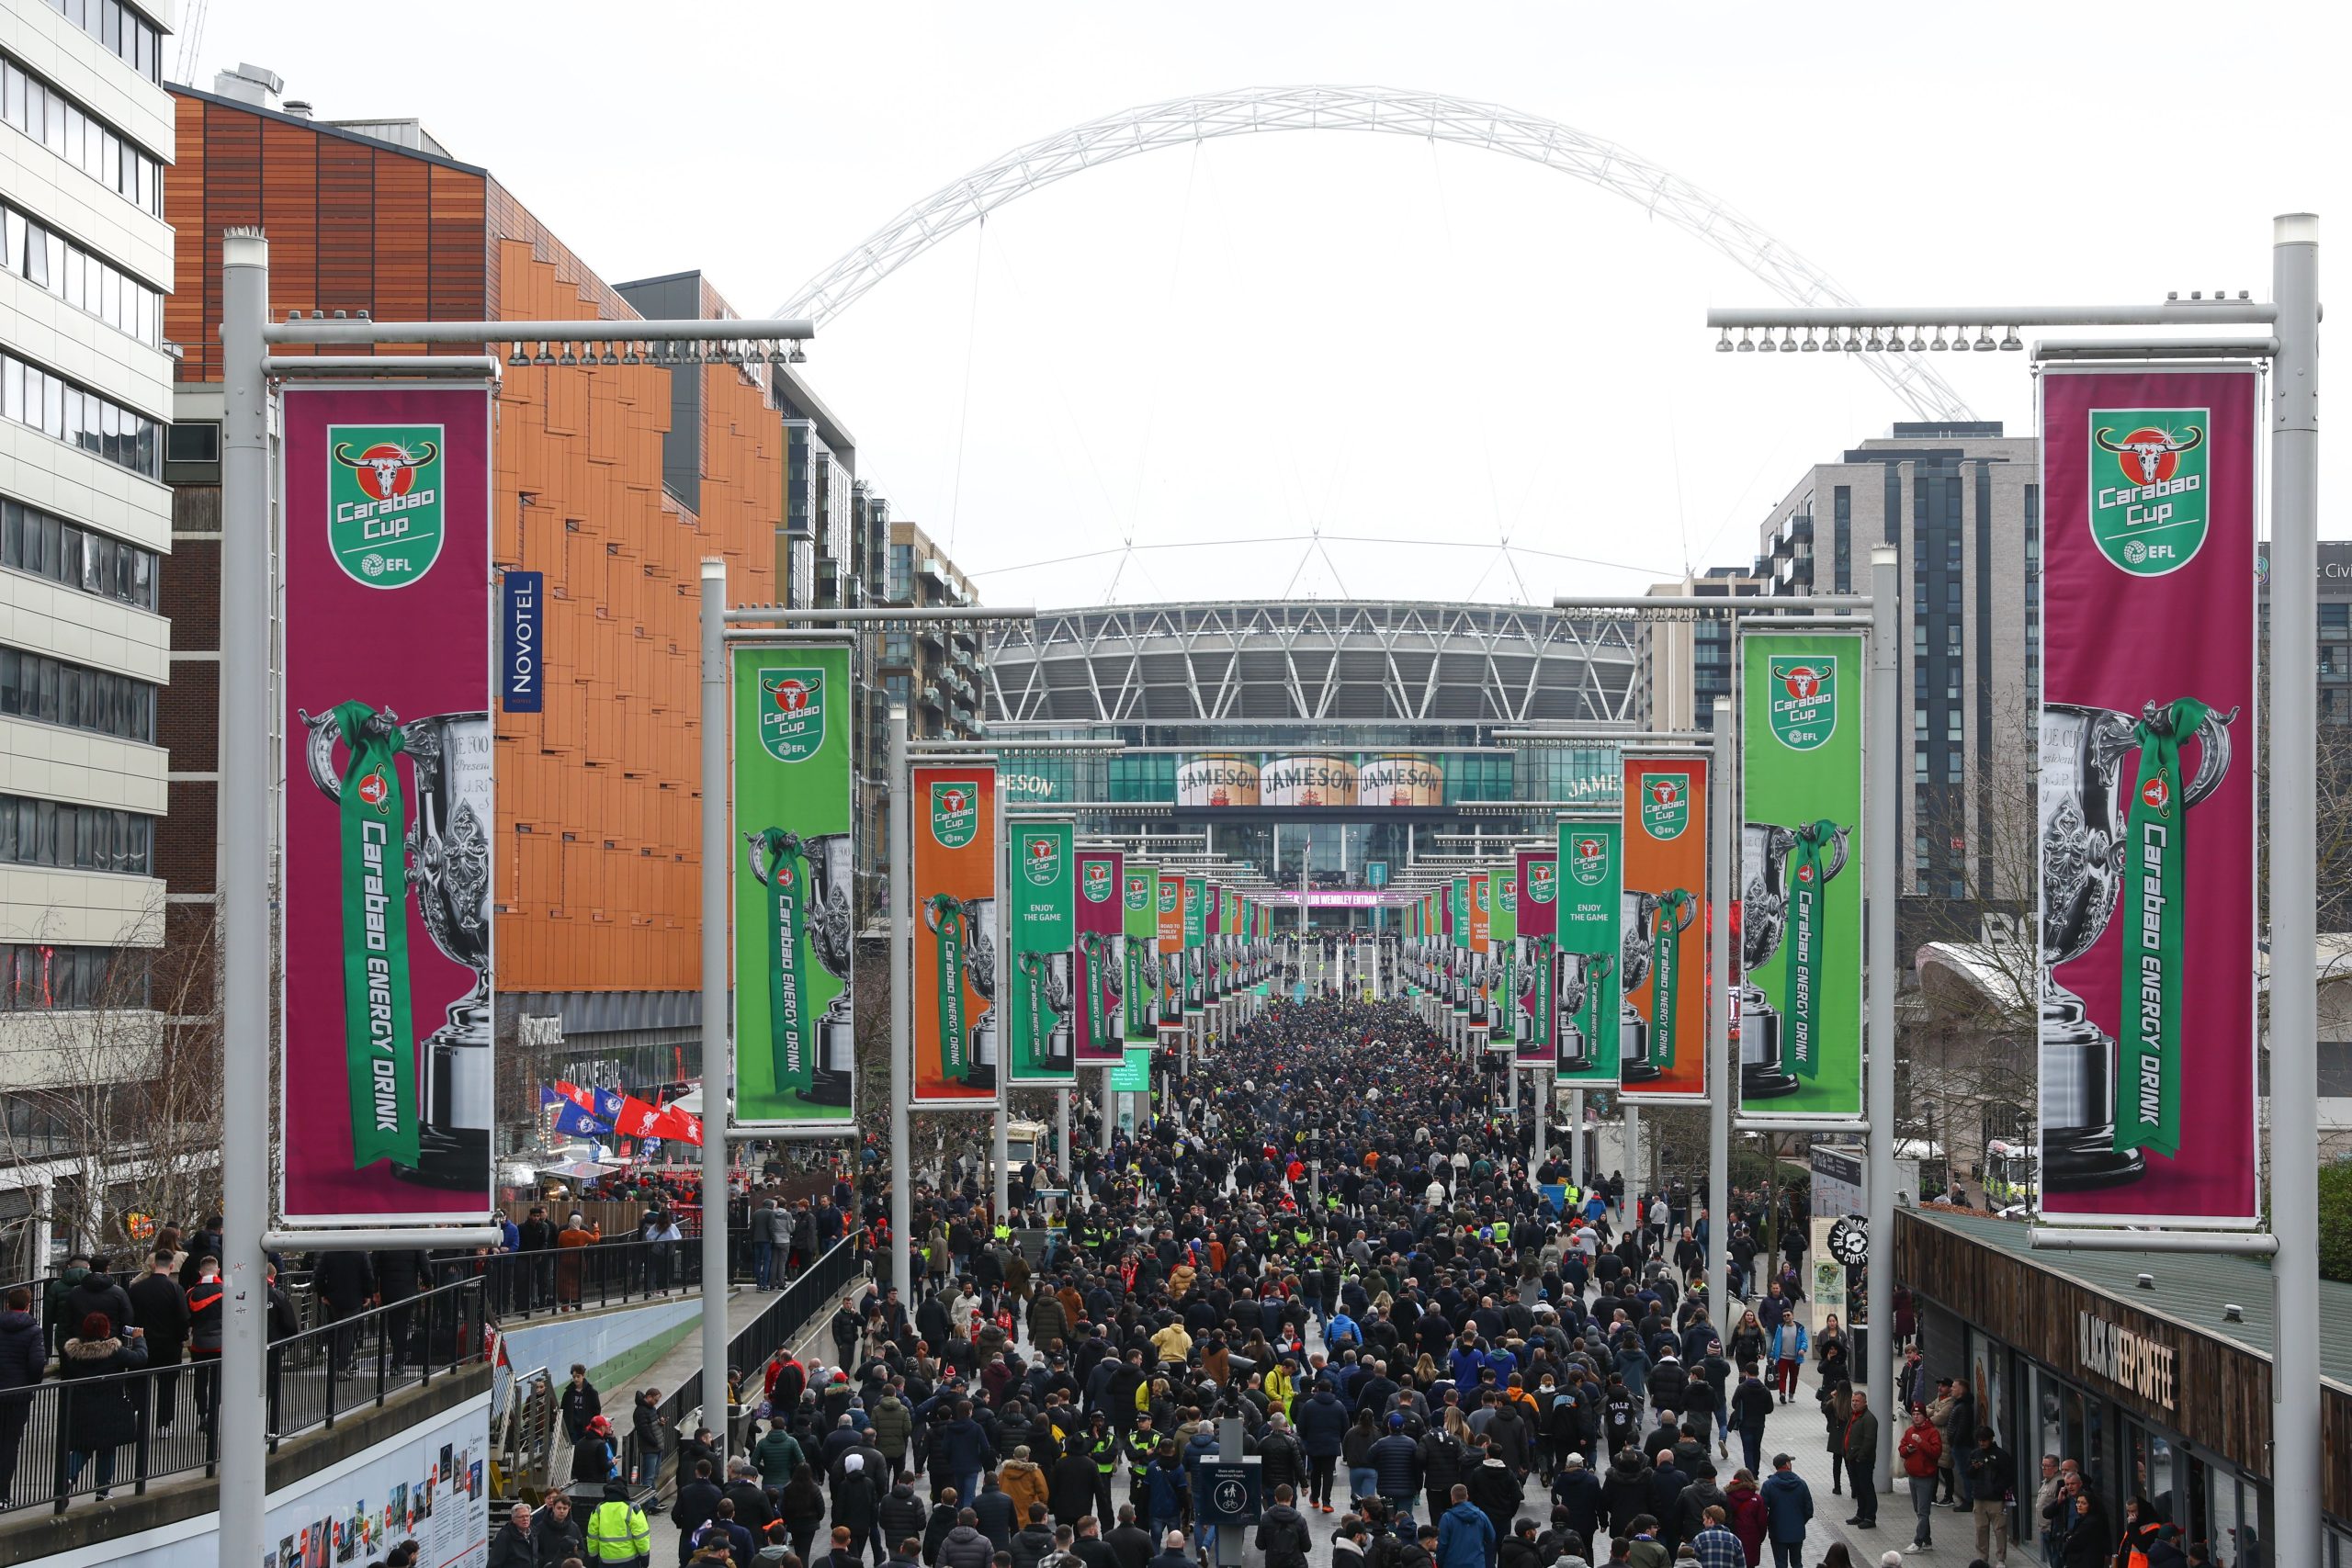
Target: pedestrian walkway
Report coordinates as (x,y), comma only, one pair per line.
(1799,1430)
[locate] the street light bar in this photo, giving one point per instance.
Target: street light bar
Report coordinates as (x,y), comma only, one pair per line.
(2046,1238)
(380,1240)
(487,365)
(2216,312)
(2156,348)
(770,614)
(317,328)
(1601,732)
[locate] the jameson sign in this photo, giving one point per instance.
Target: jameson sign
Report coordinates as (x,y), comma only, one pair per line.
(795,836)
(2146,813)
(1140,910)
(1101,957)
(1536,911)
(958,1027)
(1800,884)
(385,1080)
(1586,1029)
(1042,927)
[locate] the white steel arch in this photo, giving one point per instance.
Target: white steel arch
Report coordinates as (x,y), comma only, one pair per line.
(1391,111)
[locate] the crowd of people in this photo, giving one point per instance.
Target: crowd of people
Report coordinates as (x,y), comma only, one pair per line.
(1333,1237)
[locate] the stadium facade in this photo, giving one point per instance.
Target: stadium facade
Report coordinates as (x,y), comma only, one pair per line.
(1337,741)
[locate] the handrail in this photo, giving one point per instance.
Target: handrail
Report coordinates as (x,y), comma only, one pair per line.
(164,1415)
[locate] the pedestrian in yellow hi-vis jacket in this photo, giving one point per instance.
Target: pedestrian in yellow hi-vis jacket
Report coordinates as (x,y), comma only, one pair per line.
(617,1531)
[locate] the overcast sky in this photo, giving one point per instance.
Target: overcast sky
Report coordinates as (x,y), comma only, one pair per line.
(1259,337)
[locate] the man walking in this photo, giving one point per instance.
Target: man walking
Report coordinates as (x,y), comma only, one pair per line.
(1787,1508)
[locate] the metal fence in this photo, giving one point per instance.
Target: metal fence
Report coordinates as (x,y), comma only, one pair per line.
(80,1436)
(804,1298)
(522,1285)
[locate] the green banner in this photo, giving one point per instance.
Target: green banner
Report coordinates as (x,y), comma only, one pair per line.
(2156,835)
(1134,1075)
(794,1011)
(1590,883)
(1140,908)
(1196,958)
(1041,889)
(378,1038)
(1801,938)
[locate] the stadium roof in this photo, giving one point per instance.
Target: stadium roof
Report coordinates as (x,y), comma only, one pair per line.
(1277,661)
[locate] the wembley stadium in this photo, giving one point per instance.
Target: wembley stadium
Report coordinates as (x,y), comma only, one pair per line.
(1335,743)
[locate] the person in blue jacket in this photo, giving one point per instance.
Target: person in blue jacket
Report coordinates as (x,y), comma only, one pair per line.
(1465,1536)
(1788,1508)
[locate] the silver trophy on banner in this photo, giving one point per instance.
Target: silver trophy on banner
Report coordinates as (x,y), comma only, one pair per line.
(1056,990)
(1522,1003)
(831,860)
(1579,971)
(2084,843)
(1764,849)
(1636,910)
(448,849)
(979,973)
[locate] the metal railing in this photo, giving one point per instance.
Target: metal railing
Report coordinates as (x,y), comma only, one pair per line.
(522,1285)
(805,1296)
(68,1437)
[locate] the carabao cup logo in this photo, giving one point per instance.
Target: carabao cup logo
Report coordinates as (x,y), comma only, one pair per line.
(1139,892)
(2148,512)
(384,511)
(1802,698)
(1541,885)
(954,814)
(792,713)
(1041,859)
(1478,894)
(1096,881)
(1666,804)
(1588,860)
(1169,893)
(1509,895)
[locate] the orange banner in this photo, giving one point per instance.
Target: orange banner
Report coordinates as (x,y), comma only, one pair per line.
(959,1021)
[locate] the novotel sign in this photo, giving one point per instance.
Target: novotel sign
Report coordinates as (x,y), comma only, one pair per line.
(2131,1362)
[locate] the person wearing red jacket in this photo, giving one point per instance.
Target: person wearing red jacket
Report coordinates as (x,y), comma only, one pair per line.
(1922,1451)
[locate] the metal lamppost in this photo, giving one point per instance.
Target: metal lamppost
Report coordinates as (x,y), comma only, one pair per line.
(250,770)
(2291,317)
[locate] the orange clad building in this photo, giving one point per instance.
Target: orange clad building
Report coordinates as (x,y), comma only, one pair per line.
(598,796)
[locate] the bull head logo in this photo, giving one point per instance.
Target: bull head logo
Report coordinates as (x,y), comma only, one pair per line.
(386,470)
(790,695)
(2149,456)
(1803,682)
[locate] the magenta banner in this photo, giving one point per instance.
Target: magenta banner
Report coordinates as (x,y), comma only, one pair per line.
(1537,872)
(1101,958)
(389,814)
(2146,797)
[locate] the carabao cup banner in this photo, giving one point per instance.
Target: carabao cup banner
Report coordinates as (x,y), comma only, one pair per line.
(1588,1026)
(960,1023)
(795,858)
(1536,910)
(1801,873)
(1662,932)
(390,851)
(2148,745)
(1140,908)
(1502,954)
(1196,914)
(1170,894)
(1041,894)
(1101,958)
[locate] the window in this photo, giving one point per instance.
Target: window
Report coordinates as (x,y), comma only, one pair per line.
(132,38)
(78,838)
(97,700)
(31,395)
(82,278)
(43,975)
(63,126)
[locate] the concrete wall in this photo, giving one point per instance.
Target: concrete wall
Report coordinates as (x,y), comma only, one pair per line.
(614,1345)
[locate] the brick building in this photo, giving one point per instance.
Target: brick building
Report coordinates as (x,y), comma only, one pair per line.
(610,479)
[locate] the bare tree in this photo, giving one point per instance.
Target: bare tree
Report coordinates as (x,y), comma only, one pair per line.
(118,1097)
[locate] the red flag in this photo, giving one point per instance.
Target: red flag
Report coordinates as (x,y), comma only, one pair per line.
(683,1125)
(637,1119)
(583,1098)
